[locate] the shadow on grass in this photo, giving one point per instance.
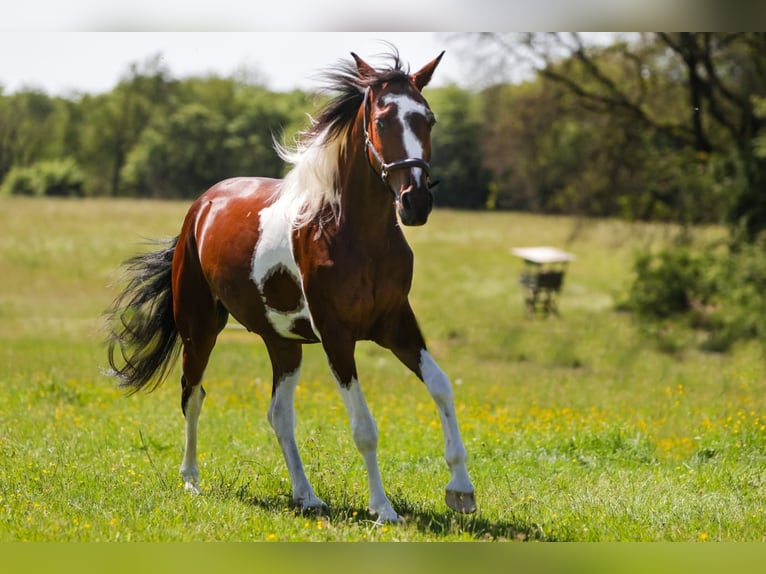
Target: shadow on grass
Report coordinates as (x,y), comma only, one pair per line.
(428,521)
(425,519)
(442,522)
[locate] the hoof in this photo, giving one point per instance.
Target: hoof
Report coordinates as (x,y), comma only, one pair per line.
(192,487)
(463,502)
(315,508)
(388,518)
(321,510)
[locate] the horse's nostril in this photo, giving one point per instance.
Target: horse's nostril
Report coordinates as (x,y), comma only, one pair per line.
(405,199)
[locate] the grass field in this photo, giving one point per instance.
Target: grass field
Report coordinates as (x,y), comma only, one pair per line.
(578,428)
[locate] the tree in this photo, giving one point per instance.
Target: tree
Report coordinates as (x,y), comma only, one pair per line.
(220,129)
(457,159)
(114,122)
(690,94)
(31,129)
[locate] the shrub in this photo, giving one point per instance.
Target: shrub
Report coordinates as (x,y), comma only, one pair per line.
(671,283)
(19,181)
(45,178)
(741,298)
(722,294)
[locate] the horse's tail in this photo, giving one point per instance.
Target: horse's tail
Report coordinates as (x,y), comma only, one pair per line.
(143,338)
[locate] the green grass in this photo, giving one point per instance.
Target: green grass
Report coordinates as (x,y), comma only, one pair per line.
(578,428)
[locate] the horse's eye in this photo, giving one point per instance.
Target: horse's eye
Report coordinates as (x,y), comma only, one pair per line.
(379,124)
(431,120)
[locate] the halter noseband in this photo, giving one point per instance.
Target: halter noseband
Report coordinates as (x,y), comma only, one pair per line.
(386,168)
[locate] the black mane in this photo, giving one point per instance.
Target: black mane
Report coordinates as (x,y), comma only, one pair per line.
(344,81)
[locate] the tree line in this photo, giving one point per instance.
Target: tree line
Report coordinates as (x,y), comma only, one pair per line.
(652,127)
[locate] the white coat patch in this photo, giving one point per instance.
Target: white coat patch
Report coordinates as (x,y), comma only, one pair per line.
(274,251)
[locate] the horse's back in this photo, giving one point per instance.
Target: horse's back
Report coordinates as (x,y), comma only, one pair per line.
(224,221)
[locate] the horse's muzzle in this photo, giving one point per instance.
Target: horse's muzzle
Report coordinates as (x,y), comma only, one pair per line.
(414,205)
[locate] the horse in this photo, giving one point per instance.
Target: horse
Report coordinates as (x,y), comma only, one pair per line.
(316,257)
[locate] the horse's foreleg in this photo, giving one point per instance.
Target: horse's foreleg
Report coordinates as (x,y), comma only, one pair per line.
(460,491)
(404,338)
(363,427)
(286,365)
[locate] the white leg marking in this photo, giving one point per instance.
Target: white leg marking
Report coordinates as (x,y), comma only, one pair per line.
(439,386)
(365,433)
(281,416)
(189,468)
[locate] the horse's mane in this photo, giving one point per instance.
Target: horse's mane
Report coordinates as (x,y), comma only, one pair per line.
(311,184)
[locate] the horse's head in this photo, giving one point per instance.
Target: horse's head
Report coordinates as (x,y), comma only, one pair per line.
(397,127)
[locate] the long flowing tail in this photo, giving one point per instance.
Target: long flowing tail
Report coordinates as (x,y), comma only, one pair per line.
(143,338)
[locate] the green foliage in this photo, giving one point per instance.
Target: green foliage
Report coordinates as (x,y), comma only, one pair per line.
(227,131)
(61,178)
(32,127)
(759,143)
(720,292)
(740,311)
(158,167)
(19,181)
(671,283)
(457,160)
(607,131)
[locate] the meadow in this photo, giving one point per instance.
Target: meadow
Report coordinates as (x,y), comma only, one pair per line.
(583,427)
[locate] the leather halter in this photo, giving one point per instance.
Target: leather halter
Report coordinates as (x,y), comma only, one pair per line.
(386,168)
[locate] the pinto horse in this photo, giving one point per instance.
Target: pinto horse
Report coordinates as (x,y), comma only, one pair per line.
(316,257)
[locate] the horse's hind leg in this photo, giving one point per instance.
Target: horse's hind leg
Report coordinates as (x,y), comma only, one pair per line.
(199,319)
(191,404)
(286,365)
(196,353)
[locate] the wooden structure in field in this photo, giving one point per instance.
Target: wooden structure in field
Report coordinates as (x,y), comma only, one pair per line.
(542,277)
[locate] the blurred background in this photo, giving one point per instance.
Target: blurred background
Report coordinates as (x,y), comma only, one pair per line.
(639,126)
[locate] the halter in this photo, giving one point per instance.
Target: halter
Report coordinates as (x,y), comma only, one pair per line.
(386,168)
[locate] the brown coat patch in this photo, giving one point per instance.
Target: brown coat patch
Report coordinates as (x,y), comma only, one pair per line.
(281,290)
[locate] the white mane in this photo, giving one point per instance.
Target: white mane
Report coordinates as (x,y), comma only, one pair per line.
(312,183)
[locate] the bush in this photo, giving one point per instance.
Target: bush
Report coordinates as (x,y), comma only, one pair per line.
(741,297)
(722,294)
(46,178)
(19,181)
(672,283)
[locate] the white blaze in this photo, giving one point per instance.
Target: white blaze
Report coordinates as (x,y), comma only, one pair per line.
(405,106)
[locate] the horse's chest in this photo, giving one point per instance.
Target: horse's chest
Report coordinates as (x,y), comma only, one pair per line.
(276,274)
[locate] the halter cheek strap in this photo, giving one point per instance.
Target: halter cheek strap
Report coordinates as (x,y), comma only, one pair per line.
(386,168)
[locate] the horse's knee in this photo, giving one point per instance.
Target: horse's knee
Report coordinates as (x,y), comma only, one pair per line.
(436,380)
(365,434)
(191,398)
(281,416)
(440,389)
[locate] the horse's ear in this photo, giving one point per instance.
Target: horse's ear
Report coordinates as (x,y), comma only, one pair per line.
(423,75)
(363,68)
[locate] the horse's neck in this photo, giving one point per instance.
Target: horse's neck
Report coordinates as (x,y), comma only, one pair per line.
(366,203)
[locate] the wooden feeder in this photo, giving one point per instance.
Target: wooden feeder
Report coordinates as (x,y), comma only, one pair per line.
(542,277)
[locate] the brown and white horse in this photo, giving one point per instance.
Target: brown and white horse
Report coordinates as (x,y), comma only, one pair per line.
(316,257)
